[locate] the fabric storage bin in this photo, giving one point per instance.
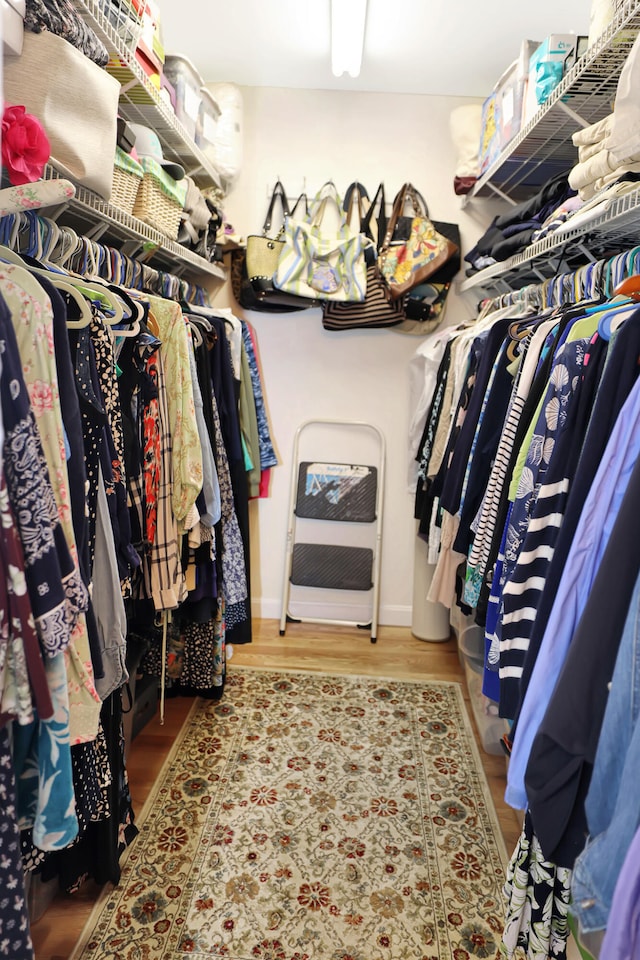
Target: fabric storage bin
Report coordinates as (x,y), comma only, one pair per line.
(208,117)
(160,198)
(76,102)
(127,174)
(187,83)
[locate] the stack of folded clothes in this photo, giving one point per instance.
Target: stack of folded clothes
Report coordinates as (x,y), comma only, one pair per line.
(597,165)
(514,230)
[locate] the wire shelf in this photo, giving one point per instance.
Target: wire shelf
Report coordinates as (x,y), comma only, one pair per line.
(140,101)
(544,147)
(137,238)
(613,231)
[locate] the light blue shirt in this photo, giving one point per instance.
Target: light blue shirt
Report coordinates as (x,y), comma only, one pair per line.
(594,529)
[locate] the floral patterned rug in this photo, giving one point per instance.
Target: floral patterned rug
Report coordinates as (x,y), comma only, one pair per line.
(313,817)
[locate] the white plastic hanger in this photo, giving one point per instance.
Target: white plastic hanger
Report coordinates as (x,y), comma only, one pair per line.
(59,282)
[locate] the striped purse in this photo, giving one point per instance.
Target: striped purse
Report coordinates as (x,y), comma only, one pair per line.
(377,309)
(320,263)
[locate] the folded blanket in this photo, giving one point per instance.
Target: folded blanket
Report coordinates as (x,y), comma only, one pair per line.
(599,165)
(602,182)
(602,166)
(590,150)
(595,133)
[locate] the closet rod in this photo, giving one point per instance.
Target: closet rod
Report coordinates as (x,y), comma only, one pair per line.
(595,279)
(19,231)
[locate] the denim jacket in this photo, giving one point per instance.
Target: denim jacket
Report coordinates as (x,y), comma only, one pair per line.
(613,801)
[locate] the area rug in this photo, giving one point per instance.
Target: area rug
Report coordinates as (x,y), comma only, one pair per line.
(313,817)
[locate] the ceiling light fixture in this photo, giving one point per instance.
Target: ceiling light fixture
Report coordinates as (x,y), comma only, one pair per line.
(348,18)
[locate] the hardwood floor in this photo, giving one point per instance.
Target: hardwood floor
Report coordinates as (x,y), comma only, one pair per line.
(325,649)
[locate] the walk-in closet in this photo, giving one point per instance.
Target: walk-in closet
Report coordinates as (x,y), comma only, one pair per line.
(319,423)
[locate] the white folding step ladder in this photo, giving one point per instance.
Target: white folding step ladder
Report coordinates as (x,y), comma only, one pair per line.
(342,501)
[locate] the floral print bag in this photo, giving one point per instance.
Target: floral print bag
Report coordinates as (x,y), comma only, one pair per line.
(410,262)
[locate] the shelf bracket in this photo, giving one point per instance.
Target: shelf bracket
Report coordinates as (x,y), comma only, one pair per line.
(574,116)
(54,212)
(501,193)
(125,87)
(131,248)
(97,231)
(590,257)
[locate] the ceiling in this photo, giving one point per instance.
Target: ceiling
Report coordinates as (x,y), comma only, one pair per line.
(437,47)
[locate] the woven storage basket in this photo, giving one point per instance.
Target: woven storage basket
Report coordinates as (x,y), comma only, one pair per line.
(127,175)
(160,199)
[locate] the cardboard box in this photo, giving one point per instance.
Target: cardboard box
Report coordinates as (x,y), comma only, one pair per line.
(510,91)
(490,147)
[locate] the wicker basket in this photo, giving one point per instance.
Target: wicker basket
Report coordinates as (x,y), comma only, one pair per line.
(160,199)
(127,175)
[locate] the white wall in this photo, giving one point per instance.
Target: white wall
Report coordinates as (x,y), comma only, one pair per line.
(308,137)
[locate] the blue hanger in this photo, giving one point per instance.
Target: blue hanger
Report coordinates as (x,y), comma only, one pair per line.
(604,324)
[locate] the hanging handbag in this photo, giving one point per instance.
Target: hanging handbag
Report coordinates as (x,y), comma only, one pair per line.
(320,262)
(263,253)
(424,309)
(377,309)
(425,305)
(451,231)
(412,260)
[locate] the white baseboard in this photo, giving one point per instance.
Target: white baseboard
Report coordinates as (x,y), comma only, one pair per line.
(391,615)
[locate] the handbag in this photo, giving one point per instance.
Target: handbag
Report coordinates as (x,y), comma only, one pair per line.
(319,262)
(261,261)
(410,261)
(424,309)
(377,309)
(451,231)
(75,101)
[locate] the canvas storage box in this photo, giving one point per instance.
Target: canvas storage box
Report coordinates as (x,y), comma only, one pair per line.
(187,83)
(207,124)
(160,198)
(127,176)
(76,102)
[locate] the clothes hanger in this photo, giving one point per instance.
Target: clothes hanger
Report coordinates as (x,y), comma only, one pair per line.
(125,332)
(629,287)
(195,334)
(619,314)
(71,294)
(27,225)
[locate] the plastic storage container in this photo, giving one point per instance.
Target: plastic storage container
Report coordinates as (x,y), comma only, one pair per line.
(206,130)
(229,133)
(187,82)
